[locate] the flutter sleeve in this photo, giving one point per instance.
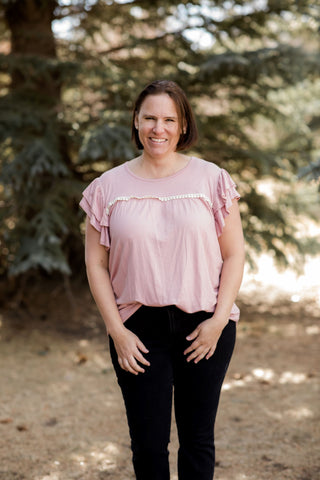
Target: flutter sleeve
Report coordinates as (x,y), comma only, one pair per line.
(93,204)
(225,193)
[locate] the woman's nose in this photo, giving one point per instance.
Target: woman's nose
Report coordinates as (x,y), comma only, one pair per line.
(158,126)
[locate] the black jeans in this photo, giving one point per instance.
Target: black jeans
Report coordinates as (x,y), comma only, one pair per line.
(148,396)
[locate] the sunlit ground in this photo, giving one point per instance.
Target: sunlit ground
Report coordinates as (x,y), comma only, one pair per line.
(268,283)
(88,433)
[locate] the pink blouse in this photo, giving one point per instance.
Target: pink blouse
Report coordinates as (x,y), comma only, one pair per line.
(162,234)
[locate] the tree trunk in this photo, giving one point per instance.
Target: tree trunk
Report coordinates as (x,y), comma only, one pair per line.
(32,43)
(37,168)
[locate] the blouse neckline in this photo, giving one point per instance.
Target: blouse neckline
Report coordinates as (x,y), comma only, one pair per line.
(160,179)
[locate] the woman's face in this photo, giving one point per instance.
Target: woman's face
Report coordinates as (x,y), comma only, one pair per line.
(158,125)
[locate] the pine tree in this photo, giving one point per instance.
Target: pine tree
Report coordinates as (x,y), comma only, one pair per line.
(38,182)
(66,103)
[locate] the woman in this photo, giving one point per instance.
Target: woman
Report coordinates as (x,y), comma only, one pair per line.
(164,257)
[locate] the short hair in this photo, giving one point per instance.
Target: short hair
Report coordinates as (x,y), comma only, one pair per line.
(185,114)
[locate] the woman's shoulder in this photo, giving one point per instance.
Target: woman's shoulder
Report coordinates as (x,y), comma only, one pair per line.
(216,178)
(107,183)
(113,173)
(206,167)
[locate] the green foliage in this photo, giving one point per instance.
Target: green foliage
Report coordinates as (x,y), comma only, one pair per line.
(37,196)
(311,171)
(66,115)
(106,144)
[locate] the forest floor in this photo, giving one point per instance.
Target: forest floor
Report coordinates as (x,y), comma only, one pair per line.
(62,415)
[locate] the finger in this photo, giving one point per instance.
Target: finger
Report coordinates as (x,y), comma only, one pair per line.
(193,335)
(142,359)
(196,353)
(132,366)
(138,355)
(136,367)
(142,347)
(125,365)
(192,347)
(211,352)
(200,357)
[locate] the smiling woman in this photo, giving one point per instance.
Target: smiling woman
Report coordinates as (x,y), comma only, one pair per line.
(158,127)
(164,268)
(162,125)
(180,110)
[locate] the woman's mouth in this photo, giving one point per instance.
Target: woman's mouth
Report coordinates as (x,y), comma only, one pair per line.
(158,140)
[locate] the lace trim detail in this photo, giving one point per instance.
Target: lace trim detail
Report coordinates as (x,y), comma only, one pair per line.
(162,199)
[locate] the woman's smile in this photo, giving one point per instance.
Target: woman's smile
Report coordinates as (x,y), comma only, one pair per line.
(158,140)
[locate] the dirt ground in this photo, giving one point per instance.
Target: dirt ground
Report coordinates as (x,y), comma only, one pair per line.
(62,415)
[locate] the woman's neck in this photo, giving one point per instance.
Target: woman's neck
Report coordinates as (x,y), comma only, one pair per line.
(158,167)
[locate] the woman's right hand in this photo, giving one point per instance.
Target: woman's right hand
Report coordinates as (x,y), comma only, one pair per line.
(129,349)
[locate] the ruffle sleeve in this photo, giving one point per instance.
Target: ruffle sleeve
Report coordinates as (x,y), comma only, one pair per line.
(225,193)
(93,204)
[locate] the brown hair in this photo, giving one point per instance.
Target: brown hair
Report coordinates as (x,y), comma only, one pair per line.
(185,115)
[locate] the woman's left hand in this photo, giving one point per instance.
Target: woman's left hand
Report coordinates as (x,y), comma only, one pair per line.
(205,338)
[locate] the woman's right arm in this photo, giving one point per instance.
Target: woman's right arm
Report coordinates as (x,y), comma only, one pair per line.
(128,346)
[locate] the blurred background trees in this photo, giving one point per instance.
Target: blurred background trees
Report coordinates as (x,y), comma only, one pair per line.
(69,74)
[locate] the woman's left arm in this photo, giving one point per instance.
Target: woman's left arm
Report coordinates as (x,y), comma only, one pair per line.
(205,337)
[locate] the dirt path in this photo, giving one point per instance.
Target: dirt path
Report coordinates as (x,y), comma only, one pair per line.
(62,416)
